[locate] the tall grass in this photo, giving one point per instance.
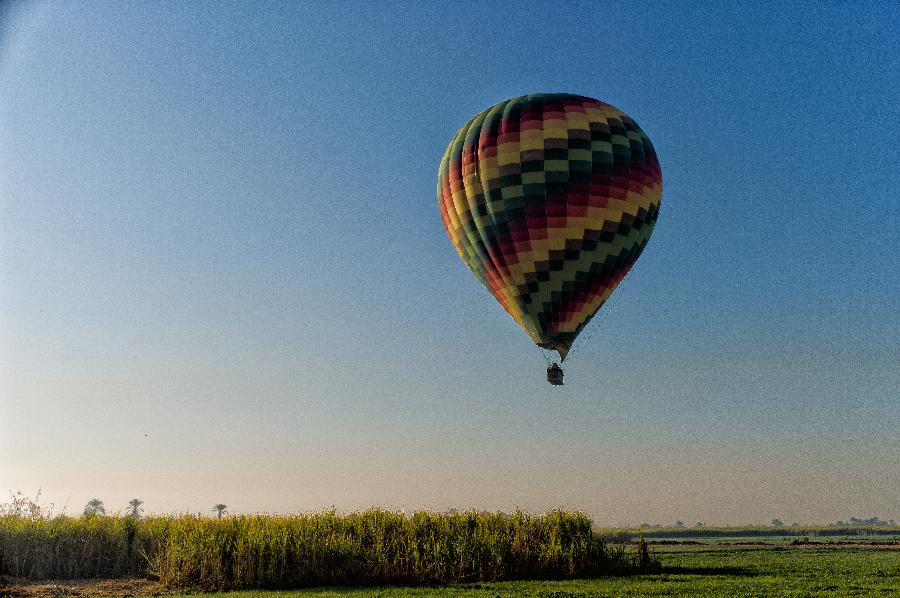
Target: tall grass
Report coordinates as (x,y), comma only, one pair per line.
(70,547)
(370,547)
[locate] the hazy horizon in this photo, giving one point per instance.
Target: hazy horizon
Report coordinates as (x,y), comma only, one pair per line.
(53,510)
(224,278)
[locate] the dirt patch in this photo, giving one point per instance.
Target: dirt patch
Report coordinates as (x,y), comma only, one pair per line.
(80,587)
(834,544)
(891,544)
(846,545)
(672,542)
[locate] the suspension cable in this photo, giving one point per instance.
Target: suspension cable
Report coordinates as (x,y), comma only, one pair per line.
(544,355)
(595,324)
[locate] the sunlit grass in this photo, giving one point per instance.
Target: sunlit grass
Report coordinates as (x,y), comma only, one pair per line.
(326,548)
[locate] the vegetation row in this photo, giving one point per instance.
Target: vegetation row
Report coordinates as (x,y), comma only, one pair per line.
(630,535)
(251,551)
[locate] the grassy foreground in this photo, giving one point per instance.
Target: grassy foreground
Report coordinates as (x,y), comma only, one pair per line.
(703,572)
(262,551)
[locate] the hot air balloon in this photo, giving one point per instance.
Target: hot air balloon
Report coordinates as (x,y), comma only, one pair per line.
(549,199)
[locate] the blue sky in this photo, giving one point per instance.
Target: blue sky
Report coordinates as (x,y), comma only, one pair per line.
(219,229)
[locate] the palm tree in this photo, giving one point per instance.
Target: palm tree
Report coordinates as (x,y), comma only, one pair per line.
(220,508)
(94,507)
(135,505)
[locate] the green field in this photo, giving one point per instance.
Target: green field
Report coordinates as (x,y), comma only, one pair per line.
(379,553)
(713,571)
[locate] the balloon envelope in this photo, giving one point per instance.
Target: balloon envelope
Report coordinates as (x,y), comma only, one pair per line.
(549,199)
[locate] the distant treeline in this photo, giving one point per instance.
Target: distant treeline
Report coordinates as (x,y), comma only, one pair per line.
(869,521)
(630,535)
(371,547)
